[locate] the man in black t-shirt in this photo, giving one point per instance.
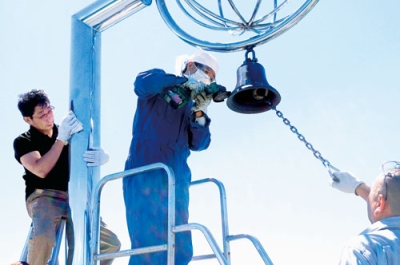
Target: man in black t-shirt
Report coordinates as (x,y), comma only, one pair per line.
(44,154)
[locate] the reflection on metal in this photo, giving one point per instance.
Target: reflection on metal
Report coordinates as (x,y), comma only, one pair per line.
(103,15)
(263,29)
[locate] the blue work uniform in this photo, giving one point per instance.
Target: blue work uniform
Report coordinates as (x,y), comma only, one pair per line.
(160,134)
(379,244)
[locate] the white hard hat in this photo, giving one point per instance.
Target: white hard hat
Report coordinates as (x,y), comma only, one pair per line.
(200,57)
(206,59)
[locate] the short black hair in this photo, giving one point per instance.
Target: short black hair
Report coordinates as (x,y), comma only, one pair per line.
(29,100)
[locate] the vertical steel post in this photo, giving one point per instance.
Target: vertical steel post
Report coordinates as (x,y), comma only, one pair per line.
(85,101)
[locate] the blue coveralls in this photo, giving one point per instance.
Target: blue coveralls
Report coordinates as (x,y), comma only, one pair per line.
(160,134)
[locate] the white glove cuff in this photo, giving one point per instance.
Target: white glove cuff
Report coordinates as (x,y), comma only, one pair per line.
(356,185)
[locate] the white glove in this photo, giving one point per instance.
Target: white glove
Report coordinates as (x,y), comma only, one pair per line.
(95,157)
(347,182)
(69,125)
(196,86)
(201,102)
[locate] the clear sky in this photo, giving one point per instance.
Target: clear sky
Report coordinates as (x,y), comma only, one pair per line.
(337,71)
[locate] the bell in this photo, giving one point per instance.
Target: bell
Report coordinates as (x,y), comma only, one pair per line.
(252,94)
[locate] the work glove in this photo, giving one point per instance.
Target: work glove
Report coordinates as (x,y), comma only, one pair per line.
(195,86)
(69,125)
(347,182)
(201,102)
(95,157)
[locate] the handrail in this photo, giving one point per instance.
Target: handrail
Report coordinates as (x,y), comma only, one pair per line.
(222,257)
(261,251)
(210,239)
(224,213)
(24,253)
(169,247)
(226,238)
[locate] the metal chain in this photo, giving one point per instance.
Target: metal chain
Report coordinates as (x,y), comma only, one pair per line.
(309,146)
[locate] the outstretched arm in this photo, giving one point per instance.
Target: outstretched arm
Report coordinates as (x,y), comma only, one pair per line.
(348,183)
(363,191)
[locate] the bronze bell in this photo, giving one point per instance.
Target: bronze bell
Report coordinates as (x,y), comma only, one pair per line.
(252,94)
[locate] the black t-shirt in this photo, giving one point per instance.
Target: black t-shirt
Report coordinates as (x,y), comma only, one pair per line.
(58,177)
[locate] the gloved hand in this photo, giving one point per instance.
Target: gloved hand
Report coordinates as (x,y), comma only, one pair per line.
(347,182)
(95,157)
(69,125)
(195,86)
(201,101)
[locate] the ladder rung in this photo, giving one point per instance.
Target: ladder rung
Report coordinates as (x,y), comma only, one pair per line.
(130,252)
(203,257)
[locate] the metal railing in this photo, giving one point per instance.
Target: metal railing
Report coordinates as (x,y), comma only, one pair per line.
(226,238)
(223,257)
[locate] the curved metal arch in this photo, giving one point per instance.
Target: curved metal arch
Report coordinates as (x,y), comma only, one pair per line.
(274,31)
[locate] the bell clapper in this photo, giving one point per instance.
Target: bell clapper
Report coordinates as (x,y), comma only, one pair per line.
(260,93)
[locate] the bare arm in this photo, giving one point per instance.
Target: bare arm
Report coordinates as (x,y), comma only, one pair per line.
(42,165)
(363,191)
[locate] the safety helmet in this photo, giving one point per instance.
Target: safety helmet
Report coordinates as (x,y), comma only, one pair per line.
(202,57)
(206,59)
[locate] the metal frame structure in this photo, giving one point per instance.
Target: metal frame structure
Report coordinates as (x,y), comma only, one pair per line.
(85,94)
(223,257)
(95,224)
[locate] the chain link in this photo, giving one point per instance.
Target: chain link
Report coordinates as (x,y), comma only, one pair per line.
(309,146)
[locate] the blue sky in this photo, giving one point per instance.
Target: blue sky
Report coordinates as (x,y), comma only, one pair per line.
(337,72)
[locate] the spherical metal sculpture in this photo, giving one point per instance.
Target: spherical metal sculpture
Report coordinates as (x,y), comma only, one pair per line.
(214,18)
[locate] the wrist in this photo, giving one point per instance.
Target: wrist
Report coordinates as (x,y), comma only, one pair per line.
(199,114)
(61,141)
(362,190)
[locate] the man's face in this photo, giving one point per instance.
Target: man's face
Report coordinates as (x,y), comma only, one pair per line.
(42,118)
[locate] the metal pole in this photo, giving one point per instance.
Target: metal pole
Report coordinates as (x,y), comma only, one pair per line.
(85,98)
(85,102)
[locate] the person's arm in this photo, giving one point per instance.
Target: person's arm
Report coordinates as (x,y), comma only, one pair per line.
(154,81)
(199,134)
(42,165)
(348,183)
(363,190)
